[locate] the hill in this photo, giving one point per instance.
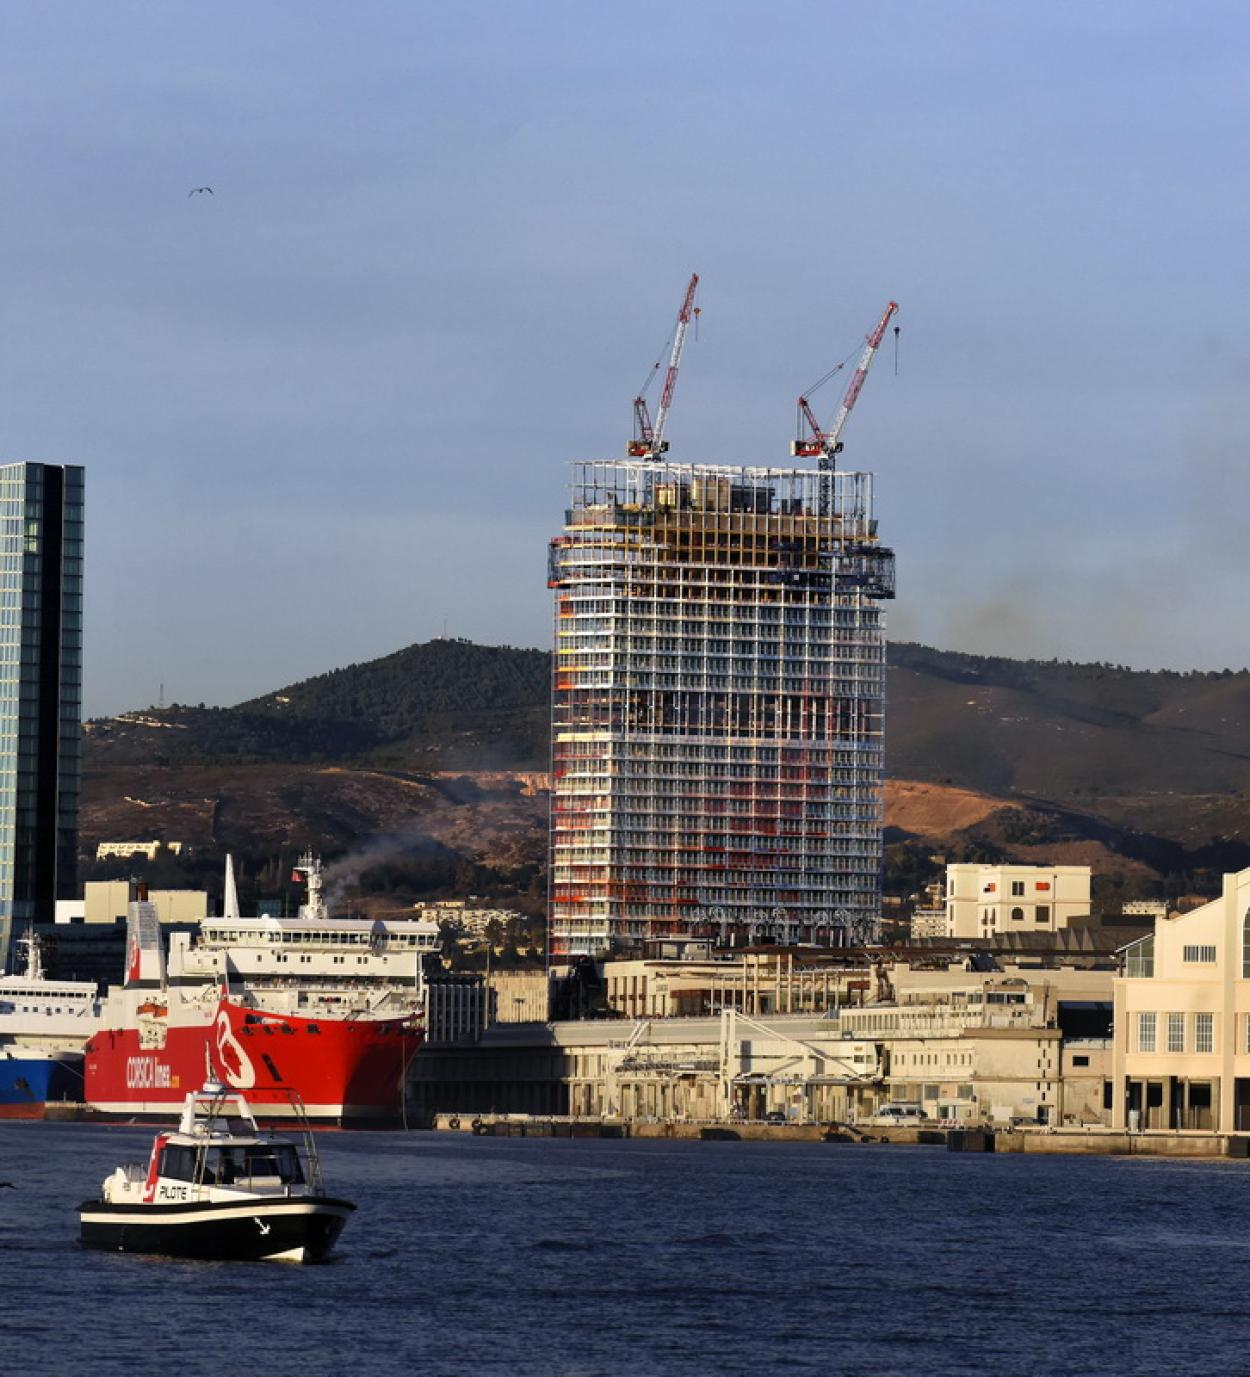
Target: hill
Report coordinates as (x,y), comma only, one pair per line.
(442,704)
(1141,772)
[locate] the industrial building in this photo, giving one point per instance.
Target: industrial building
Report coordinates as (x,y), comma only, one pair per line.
(963,1046)
(41,547)
(718,705)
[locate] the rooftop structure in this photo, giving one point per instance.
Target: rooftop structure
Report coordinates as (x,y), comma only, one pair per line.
(718,696)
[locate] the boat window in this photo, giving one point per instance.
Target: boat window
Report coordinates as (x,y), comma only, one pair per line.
(238,1166)
(178,1163)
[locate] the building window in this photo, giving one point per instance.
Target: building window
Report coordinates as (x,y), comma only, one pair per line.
(1176,1032)
(1080,1061)
(1017,914)
(1199,955)
(1043,913)
(1204,1032)
(1139,960)
(1146,1032)
(1017,888)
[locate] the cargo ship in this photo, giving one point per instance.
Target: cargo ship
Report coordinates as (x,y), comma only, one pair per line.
(44,1027)
(312,1014)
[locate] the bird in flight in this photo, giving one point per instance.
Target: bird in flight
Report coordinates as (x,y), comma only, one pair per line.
(196,190)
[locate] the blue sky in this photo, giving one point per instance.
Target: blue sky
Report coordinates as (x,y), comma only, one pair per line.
(330,408)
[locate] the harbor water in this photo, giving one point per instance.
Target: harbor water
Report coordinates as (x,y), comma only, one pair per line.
(574,1257)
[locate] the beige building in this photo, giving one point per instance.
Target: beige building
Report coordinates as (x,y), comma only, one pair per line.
(179,905)
(460,1008)
(468,921)
(982,900)
(519,996)
(992,1047)
(147,849)
(755,983)
(106,901)
(1182,1019)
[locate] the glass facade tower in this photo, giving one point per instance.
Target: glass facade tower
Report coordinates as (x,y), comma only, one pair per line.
(717,707)
(41,553)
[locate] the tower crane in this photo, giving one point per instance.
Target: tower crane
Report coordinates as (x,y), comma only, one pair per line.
(649,441)
(817,443)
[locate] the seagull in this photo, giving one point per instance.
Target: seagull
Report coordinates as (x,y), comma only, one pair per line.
(196,190)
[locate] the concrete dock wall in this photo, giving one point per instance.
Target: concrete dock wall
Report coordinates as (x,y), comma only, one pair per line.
(1075,1142)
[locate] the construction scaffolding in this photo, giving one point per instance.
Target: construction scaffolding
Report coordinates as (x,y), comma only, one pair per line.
(717,707)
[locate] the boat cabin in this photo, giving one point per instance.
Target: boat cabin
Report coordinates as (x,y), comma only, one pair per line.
(217,1153)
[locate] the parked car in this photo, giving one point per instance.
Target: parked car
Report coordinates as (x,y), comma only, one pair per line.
(776,1116)
(899,1113)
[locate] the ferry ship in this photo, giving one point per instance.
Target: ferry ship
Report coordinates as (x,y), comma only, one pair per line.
(313,1013)
(44,1027)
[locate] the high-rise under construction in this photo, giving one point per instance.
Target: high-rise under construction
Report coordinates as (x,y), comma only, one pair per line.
(718,696)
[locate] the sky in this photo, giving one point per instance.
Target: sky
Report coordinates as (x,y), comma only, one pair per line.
(329,410)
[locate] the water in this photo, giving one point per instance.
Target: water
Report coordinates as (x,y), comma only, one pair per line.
(550,1256)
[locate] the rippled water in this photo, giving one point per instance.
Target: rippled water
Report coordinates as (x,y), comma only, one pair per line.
(549,1256)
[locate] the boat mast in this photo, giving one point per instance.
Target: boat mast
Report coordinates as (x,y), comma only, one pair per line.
(34,958)
(309,867)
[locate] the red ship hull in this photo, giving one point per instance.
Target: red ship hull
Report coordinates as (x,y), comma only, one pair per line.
(347,1072)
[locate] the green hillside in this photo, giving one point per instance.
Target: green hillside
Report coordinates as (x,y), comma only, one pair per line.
(442,704)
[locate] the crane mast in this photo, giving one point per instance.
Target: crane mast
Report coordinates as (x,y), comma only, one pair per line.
(649,438)
(826,444)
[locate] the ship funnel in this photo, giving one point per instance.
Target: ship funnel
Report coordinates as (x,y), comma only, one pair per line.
(230,903)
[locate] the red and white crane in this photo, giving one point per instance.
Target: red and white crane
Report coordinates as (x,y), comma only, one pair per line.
(825,444)
(649,438)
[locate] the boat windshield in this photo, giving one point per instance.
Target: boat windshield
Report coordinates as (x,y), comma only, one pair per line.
(235,1166)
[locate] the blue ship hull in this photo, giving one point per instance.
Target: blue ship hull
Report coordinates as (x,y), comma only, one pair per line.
(28,1083)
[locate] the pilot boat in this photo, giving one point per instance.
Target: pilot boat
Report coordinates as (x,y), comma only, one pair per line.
(218,1188)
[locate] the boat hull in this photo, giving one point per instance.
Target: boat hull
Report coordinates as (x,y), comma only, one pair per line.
(289,1230)
(341,1072)
(28,1083)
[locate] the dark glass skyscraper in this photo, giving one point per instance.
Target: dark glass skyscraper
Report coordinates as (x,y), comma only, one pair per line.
(41,547)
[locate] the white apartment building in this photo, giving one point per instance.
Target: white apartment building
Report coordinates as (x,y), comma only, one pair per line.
(1182,1020)
(982,900)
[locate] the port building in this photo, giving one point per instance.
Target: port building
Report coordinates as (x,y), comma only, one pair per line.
(1182,1019)
(717,707)
(1020,1044)
(41,552)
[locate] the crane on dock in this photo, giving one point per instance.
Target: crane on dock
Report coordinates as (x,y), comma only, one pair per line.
(649,441)
(814,443)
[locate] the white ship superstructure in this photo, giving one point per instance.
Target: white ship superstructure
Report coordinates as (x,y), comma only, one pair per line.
(46,1014)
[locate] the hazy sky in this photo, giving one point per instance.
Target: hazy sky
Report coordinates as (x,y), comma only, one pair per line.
(331,406)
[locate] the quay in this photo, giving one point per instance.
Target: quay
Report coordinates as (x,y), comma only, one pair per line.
(1071,1142)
